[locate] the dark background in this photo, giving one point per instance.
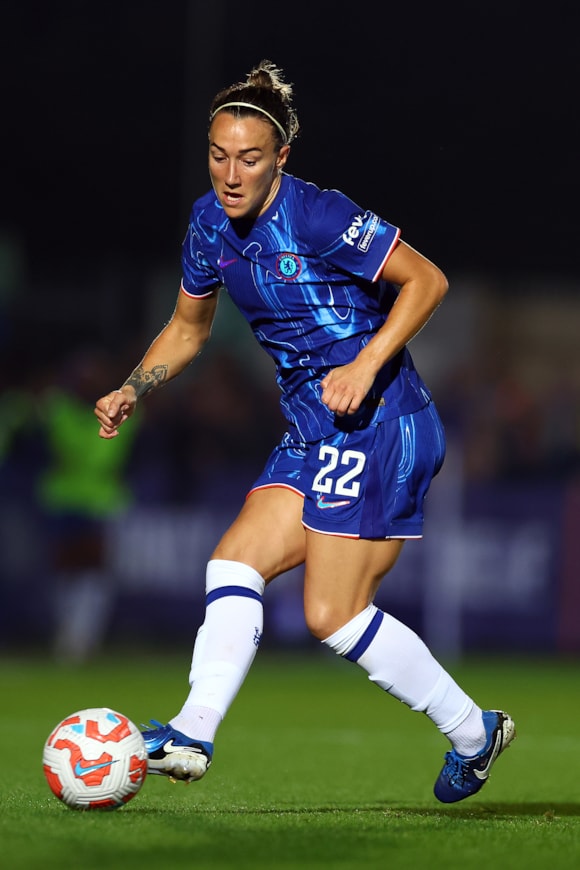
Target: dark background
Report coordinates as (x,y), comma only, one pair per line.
(456,121)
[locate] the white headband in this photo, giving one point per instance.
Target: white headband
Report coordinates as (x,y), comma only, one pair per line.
(256,109)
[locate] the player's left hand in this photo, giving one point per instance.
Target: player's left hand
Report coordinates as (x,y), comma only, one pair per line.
(345,388)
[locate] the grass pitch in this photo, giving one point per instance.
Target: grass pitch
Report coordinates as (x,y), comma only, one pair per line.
(314,768)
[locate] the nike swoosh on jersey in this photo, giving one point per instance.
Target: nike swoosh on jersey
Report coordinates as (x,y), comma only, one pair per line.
(79,770)
(224,263)
(322,504)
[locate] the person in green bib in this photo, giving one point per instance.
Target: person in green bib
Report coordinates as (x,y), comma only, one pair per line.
(81,489)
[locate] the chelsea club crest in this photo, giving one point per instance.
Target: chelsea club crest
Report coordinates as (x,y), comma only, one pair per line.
(288,266)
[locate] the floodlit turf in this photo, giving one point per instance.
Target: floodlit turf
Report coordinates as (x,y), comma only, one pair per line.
(314,767)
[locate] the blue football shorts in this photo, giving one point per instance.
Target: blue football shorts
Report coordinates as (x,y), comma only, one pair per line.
(368,483)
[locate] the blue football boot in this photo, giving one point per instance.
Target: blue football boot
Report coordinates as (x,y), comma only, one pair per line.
(463,776)
(175,755)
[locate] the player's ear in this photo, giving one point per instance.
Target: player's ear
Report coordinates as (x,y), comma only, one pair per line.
(282,156)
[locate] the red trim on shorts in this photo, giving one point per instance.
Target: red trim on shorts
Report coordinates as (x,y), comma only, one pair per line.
(359,538)
(332,534)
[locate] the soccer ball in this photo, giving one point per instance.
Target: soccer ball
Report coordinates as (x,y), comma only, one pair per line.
(95,759)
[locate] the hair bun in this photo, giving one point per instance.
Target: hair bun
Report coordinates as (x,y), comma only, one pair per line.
(265,91)
(268,75)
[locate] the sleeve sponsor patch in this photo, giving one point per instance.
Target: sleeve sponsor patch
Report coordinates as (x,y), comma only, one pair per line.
(361,231)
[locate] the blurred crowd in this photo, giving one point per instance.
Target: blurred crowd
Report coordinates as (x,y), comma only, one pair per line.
(202,440)
(508,432)
(202,437)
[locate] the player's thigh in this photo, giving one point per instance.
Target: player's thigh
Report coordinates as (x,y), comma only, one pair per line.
(342,577)
(267,534)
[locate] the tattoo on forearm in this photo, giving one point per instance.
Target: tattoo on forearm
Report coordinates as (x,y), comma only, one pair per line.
(143,382)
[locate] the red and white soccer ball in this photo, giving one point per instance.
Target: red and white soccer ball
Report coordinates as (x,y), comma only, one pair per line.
(95,759)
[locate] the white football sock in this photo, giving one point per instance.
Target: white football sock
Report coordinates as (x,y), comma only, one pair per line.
(225,646)
(469,737)
(398,661)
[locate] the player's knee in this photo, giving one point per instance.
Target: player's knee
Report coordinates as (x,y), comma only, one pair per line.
(323,618)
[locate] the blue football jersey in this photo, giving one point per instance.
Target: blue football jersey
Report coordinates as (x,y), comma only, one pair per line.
(305,274)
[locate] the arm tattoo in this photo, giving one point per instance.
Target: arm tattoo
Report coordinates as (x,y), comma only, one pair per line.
(143,382)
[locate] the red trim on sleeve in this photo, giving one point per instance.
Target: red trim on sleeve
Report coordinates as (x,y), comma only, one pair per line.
(387,255)
(198,295)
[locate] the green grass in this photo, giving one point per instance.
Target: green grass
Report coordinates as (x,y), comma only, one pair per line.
(314,768)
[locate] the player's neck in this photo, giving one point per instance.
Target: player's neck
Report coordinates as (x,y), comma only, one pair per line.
(272,195)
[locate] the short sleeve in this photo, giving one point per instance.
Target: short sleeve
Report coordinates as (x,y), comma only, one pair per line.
(352,239)
(198,277)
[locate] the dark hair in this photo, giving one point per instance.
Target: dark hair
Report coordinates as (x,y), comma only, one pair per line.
(265,89)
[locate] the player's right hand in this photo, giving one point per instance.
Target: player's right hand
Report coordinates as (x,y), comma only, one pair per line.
(113,409)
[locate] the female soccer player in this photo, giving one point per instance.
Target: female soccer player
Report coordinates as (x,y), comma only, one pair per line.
(334,296)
